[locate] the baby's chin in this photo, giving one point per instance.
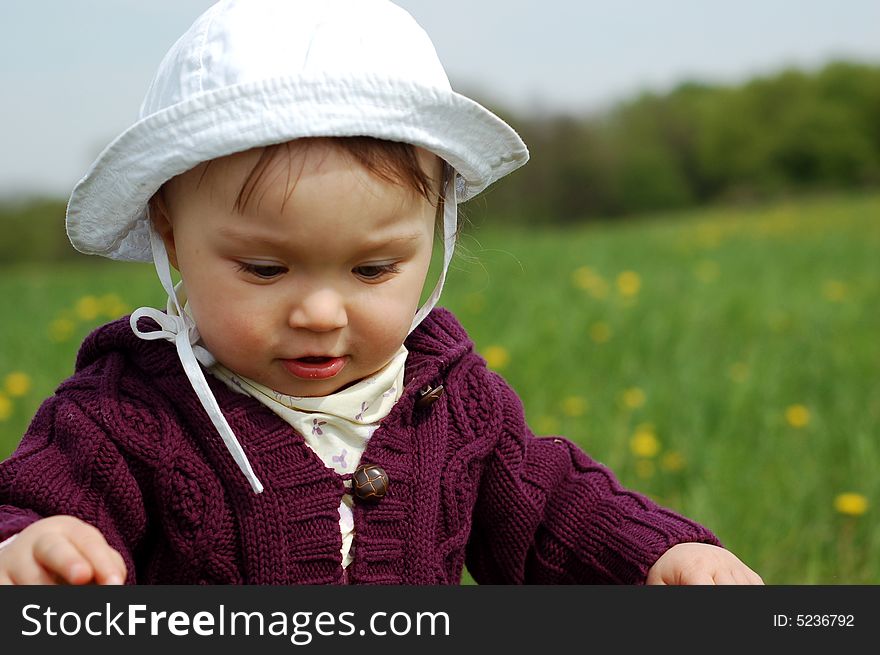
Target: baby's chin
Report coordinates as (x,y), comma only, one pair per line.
(334,389)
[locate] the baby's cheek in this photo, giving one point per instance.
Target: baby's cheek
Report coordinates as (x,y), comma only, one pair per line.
(389,330)
(234,337)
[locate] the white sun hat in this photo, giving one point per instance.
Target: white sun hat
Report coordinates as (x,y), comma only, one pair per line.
(251,73)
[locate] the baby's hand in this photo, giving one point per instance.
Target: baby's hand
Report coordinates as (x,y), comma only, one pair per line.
(59,550)
(693,564)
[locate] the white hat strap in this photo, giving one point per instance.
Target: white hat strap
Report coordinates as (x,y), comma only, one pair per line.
(178,327)
(450,226)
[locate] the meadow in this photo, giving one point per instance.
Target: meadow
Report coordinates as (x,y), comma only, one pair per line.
(723,362)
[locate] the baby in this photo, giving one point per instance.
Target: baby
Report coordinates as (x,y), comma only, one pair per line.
(295,416)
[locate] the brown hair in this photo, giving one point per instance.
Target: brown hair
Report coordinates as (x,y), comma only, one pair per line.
(391,161)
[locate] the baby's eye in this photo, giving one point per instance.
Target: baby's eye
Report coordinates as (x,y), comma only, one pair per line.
(262,271)
(372,272)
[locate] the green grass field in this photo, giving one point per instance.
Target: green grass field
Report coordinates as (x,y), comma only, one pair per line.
(723,362)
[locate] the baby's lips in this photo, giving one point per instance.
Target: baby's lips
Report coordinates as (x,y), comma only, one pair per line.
(321,369)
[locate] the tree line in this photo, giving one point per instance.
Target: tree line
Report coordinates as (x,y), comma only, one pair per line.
(787,133)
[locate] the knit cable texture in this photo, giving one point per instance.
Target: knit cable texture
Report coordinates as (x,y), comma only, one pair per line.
(125,445)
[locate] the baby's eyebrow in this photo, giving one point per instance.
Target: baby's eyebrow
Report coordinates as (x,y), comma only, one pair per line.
(234,234)
(374,242)
(377,242)
(391,238)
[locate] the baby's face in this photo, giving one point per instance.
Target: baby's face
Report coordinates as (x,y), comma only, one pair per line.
(304,291)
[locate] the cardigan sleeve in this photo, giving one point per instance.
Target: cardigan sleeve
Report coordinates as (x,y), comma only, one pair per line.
(546,513)
(67,464)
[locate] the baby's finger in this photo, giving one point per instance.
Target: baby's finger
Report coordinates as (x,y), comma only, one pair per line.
(106,563)
(724,577)
(696,577)
(56,554)
(114,571)
(748,577)
(29,572)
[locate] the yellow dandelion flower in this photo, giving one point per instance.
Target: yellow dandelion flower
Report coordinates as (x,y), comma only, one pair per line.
(17,383)
(644,468)
(574,405)
(5,407)
(629,283)
(496,357)
(738,371)
(797,416)
(644,442)
(583,277)
(87,308)
(112,306)
(61,329)
(673,461)
(600,332)
(851,504)
(834,290)
(547,425)
(709,235)
(707,270)
(633,398)
(587,279)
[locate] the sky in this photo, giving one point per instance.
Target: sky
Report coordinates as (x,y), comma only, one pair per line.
(73,72)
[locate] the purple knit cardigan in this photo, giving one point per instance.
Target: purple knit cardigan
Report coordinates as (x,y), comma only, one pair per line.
(125,445)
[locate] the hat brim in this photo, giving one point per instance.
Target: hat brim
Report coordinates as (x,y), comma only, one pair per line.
(106,214)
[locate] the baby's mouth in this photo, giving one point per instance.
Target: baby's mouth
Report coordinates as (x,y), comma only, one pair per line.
(315,368)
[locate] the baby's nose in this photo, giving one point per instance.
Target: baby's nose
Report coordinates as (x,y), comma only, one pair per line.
(322,310)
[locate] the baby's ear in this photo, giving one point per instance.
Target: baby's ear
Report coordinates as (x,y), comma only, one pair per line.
(161,219)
